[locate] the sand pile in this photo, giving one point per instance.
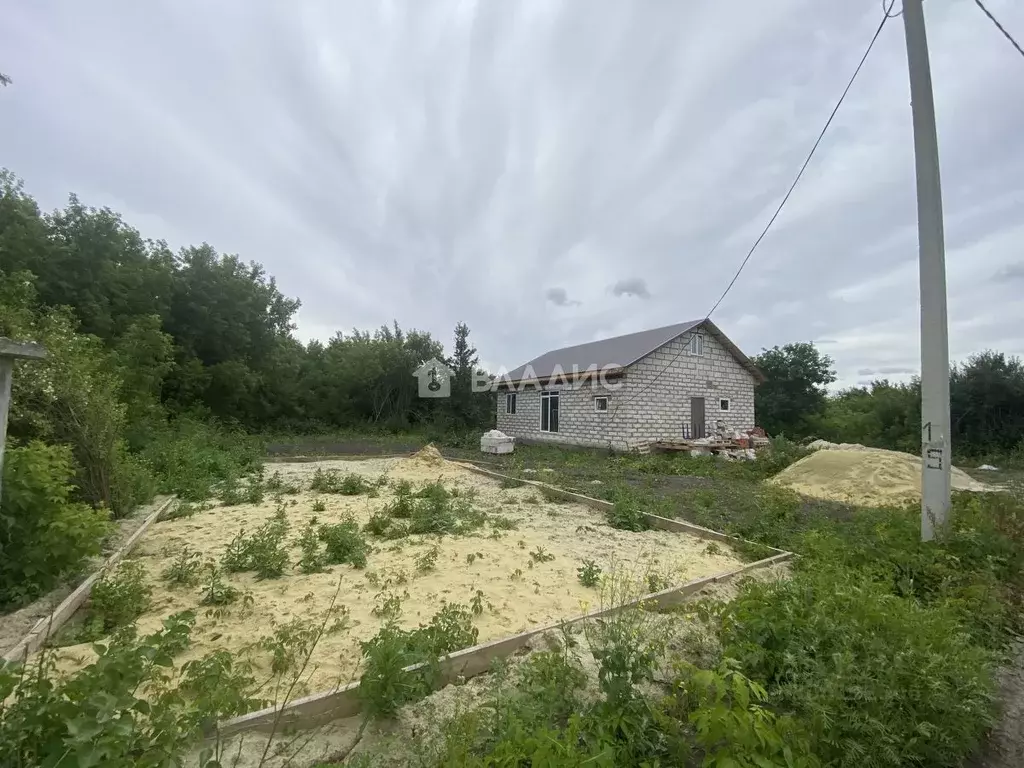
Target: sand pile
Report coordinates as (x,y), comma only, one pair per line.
(863,476)
(429,455)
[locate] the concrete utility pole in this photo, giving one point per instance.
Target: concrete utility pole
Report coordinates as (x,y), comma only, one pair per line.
(9,352)
(935,427)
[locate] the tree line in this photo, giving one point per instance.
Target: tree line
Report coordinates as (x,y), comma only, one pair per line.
(986,404)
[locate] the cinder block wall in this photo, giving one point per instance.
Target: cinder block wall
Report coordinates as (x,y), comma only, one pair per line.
(652,402)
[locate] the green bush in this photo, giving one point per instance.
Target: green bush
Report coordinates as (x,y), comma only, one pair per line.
(120,597)
(44,535)
(874,676)
(122,711)
(344,543)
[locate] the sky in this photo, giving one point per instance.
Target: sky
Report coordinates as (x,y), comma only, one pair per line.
(550,172)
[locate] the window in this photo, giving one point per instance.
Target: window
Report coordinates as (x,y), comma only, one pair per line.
(548,411)
(510,402)
(723,404)
(600,403)
(697,344)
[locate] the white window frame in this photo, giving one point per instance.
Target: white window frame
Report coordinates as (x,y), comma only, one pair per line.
(728,405)
(545,402)
(605,399)
(696,345)
(510,403)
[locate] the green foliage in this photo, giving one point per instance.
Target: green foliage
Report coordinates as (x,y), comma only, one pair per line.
(264,552)
(627,514)
(184,570)
(540,556)
(313,557)
(293,642)
(344,543)
(120,597)
(385,685)
(872,674)
(215,591)
(319,505)
(44,535)
(122,711)
(378,523)
(794,393)
(332,481)
(427,561)
(589,573)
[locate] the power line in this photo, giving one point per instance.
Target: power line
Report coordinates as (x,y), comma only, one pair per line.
(1000,27)
(807,162)
(800,173)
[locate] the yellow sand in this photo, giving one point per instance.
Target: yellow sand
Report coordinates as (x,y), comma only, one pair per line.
(863,476)
(538,595)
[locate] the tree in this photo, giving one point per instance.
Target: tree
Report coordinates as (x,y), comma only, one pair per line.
(987,403)
(794,395)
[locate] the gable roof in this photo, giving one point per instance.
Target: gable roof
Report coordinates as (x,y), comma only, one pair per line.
(622,351)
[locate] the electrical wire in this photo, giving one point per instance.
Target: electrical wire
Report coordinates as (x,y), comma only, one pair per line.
(871,44)
(1000,27)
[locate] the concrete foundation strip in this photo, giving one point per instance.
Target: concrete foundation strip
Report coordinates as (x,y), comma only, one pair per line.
(49,625)
(321,708)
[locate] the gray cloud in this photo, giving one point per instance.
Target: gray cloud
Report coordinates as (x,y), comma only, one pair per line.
(886,370)
(429,162)
(1011,272)
(631,286)
(559,297)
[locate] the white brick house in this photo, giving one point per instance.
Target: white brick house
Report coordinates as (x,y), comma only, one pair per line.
(668,383)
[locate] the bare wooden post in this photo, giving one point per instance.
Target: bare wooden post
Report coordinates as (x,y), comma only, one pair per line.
(9,352)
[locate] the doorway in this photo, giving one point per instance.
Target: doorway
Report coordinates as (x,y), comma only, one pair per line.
(697,425)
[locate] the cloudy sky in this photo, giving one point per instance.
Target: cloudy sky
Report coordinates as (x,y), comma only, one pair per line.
(548,171)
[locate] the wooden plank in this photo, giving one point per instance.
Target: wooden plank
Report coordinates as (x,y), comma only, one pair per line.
(49,625)
(320,708)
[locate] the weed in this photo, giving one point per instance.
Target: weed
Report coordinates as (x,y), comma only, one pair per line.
(388,606)
(119,598)
(313,557)
(215,591)
(290,644)
(656,582)
(540,556)
(344,543)
(378,523)
(470,558)
(531,499)
(331,481)
(503,523)
(184,570)
(263,552)
(589,574)
(521,544)
(254,490)
(476,604)
(510,482)
(427,561)
(626,514)
(182,509)
(712,549)
(319,505)
(516,575)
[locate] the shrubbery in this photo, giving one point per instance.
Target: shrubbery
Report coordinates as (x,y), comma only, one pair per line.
(44,534)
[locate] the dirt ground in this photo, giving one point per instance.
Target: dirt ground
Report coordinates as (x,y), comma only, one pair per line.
(519,591)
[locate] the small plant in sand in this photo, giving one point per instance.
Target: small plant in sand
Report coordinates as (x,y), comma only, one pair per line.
(255,489)
(119,598)
(503,523)
(344,543)
(293,642)
(589,574)
(385,684)
(472,557)
(230,494)
(313,557)
(531,499)
(378,523)
(510,482)
(627,515)
(184,570)
(215,591)
(280,516)
(427,561)
(264,552)
(183,509)
(388,606)
(538,555)
(476,604)
(712,549)
(656,582)
(521,544)
(516,575)
(319,505)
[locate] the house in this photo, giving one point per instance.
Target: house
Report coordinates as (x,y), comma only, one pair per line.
(670,383)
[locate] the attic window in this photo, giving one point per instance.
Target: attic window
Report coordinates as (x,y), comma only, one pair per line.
(697,344)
